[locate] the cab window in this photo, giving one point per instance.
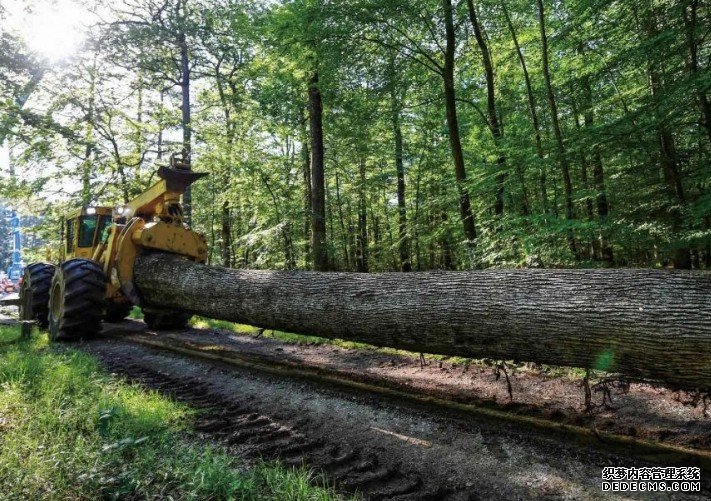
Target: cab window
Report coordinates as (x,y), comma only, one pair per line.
(87,230)
(70,235)
(103,233)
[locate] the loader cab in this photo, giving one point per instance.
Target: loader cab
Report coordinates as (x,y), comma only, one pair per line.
(84,230)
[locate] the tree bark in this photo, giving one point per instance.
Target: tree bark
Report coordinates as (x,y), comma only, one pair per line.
(455,142)
(318,190)
(649,324)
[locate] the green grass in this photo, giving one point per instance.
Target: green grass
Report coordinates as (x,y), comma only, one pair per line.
(136,313)
(289,337)
(70,431)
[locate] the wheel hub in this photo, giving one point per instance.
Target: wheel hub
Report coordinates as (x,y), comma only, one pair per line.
(56,308)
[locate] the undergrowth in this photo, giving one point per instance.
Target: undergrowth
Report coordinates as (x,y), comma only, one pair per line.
(70,431)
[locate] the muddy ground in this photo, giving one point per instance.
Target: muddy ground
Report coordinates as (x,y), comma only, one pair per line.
(638,410)
(373,445)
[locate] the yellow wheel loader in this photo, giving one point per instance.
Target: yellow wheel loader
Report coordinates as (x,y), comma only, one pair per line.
(94,279)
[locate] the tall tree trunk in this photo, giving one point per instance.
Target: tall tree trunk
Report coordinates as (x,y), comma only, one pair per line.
(225,216)
(562,153)
(318,191)
(690,21)
(306,171)
(675,188)
(185,109)
(652,324)
(584,163)
(226,234)
(159,146)
(289,256)
(342,224)
(453,124)
(403,239)
(533,112)
(416,220)
(86,195)
(598,174)
(592,247)
(362,237)
(492,113)
(445,243)
(140,140)
(667,149)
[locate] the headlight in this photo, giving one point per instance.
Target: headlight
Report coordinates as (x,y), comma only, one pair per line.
(91,211)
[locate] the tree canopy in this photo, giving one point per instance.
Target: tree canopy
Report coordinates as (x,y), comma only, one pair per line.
(372,135)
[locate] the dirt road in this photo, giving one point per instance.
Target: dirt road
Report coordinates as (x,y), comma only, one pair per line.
(382,448)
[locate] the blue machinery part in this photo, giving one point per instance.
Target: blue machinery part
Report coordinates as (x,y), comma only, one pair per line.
(14,271)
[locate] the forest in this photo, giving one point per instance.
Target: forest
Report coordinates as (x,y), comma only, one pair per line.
(378,135)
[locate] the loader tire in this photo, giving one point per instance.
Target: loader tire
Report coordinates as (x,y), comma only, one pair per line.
(76,302)
(165,318)
(116,312)
(34,293)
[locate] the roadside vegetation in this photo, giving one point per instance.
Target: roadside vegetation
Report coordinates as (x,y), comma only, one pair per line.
(70,431)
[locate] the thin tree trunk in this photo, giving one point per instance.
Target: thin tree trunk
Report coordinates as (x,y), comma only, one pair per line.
(562,153)
(185,109)
(86,195)
(598,174)
(403,239)
(159,146)
(318,191)
(225,216)
(453,124)
(584,168)
(667,152)
(533,112)
(653,324)
(306,172)
(342,224)
(446,244)
(140,138)
(289,257)
(584,165)
(704,105)
(362,237)
(494,124)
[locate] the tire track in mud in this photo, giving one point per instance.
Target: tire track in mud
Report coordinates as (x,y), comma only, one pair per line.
(257,436)
(362,443)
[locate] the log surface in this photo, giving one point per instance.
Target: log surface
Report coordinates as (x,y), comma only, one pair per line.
(650,324)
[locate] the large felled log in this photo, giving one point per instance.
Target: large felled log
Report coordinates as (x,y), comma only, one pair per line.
(652,324)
